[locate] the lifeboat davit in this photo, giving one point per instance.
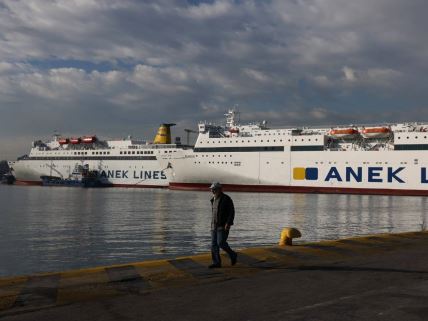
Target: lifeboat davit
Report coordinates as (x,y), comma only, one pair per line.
(376,132)
(75,140)
(343,133)
(89,139)
(63,141)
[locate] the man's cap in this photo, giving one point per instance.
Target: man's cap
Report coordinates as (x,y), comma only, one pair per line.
(215,185)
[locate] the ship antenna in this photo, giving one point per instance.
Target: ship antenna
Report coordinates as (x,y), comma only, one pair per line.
(56,135)
(230,117)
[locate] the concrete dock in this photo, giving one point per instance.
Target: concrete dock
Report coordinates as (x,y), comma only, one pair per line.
(379,277)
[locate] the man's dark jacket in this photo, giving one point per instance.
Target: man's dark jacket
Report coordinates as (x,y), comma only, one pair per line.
(226,210)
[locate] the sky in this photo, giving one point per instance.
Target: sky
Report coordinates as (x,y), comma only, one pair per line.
(121,67)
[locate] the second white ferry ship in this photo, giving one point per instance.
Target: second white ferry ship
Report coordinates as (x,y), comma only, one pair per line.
(388,159)
(126,163)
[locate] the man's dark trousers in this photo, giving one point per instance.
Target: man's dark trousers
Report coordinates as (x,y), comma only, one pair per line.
(219,240)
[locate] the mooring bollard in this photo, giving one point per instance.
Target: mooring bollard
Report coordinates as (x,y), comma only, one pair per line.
(287,236)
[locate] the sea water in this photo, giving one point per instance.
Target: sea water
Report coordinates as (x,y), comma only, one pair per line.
(60,228)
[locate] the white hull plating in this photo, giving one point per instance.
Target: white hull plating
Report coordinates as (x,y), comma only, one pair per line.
(395,169)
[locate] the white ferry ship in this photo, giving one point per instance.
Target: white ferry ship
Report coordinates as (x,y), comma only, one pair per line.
(386,159)
(126,163)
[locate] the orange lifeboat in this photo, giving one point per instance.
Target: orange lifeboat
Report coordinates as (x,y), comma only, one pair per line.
(89,139)
(234,130)
(376,132)
(343,133)
(63,141)
(75,140)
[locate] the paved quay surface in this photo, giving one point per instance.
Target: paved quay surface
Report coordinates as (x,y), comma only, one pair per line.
(379,277)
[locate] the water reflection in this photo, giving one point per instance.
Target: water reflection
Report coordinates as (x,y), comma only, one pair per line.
(48,229)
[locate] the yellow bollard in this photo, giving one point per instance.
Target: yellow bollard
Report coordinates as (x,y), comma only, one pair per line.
(287,236)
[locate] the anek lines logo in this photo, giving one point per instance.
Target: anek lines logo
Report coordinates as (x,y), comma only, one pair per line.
(309,173)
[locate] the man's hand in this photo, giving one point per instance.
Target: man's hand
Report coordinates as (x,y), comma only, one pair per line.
(227,227)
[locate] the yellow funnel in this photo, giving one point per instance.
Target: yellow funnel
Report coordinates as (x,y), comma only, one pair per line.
(164,134)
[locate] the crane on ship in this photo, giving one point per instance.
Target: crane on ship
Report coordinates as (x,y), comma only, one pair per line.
(52,168)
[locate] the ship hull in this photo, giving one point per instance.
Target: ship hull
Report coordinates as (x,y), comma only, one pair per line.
(138,174)
(334,172)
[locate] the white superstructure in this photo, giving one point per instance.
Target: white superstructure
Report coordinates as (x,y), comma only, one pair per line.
(377,159)
(126,162)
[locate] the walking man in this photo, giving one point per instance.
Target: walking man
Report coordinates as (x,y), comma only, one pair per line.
(223,213)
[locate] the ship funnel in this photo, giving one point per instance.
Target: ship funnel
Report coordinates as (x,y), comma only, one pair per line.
(164,134)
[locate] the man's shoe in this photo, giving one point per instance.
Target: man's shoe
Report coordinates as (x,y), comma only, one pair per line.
(234,259)
(214,266)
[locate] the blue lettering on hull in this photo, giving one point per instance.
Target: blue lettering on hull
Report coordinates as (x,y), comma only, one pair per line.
(333,174)
(424,178)
(393,175)
(357,176)
(139,175)
(374,175)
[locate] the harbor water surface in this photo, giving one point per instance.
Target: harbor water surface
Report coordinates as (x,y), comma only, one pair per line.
(60,228)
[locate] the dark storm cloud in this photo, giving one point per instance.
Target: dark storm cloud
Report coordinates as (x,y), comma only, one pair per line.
(122,67)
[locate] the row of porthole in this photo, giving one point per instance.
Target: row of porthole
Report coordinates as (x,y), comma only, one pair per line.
(138,152)
(256,141)
(416,137)
(105,153)
(295,139)
(243,141)
(226,162)
(273,134)
(231,163)
(76,153)
(67,166)
(347,163)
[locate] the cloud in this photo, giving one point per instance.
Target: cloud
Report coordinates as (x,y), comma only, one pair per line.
(210,10)
(256,75)
(349,74)
(378,77)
